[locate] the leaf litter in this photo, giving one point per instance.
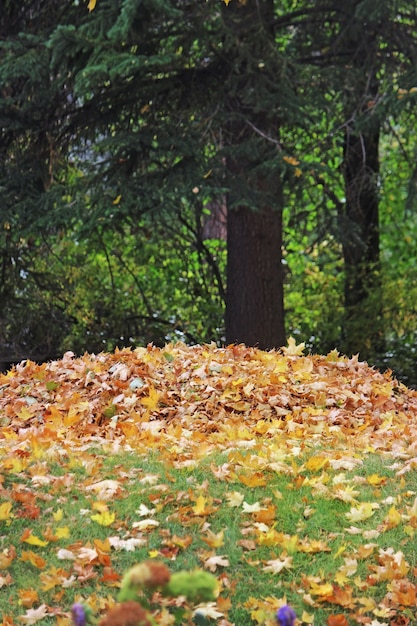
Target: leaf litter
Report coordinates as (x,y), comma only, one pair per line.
(195,399)
(308,417)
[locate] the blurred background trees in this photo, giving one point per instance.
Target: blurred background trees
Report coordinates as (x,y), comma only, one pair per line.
(184,170)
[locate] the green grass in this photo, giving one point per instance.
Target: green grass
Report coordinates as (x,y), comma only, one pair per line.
(302,504)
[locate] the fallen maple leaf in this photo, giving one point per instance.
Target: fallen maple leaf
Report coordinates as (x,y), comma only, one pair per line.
(33,540)
(293,349)
(207,610)
(5,511)
(7,557)
(213,562)
(362,511)
(33,558)
(337,620)
(251,508)
(214,540)
(34,615)
(28,597)
(5,580)
(275,566)
(104,519)
(151,402)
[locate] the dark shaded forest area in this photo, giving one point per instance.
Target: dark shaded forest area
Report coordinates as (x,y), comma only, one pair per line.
(203,171)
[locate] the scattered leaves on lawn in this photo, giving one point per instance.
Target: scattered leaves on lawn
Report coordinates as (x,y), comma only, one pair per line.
(256,447)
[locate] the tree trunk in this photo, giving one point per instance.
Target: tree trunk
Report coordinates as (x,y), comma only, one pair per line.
(363,327)
(254,298)
(361,248)
(254,302)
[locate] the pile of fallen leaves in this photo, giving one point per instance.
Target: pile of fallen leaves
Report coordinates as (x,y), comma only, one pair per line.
(190,400)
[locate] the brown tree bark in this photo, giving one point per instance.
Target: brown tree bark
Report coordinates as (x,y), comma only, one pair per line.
(254,298)
(360,219)
(254,301)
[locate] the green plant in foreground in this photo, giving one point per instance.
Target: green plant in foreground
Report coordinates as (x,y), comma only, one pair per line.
(137,588)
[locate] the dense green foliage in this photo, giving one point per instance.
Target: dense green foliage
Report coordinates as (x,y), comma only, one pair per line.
(127,133)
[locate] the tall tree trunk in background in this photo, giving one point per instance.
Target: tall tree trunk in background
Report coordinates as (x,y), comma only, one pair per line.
(363,305)
(254,300)
(360,221)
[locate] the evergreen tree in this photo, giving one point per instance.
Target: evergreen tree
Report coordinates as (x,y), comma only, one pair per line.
(32,106)
(169,94)
(361,51)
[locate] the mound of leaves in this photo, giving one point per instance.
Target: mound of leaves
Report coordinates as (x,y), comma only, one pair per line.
(192,399)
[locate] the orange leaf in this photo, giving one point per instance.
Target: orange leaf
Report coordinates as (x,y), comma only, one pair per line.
(103,546)
(267,515)
(337,620)
(28,597)
(110,577)
(7,557)
(182,542)
(257,479)
(34,559)
(32,540)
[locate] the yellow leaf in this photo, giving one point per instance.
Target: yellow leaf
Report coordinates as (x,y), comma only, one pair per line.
(316,463)
(307,618)
(151,401)
(25,413)
(214,540)
(200,505)
(341,579)
(63,532)
(324,589)
(117,200)
(362,511)
(99,506)
(375,480)
(33,540)
(293,349)
(339,551)
(92,5)
(291,160)
(257,479)
(5,511)
(153,553)
(58,515)
(15,465)
(104,519)
(393,518)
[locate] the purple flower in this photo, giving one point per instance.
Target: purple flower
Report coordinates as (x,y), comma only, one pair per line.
(79,617)
(286,616)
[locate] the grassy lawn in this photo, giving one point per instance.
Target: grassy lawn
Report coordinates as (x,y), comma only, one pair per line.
(291,478)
